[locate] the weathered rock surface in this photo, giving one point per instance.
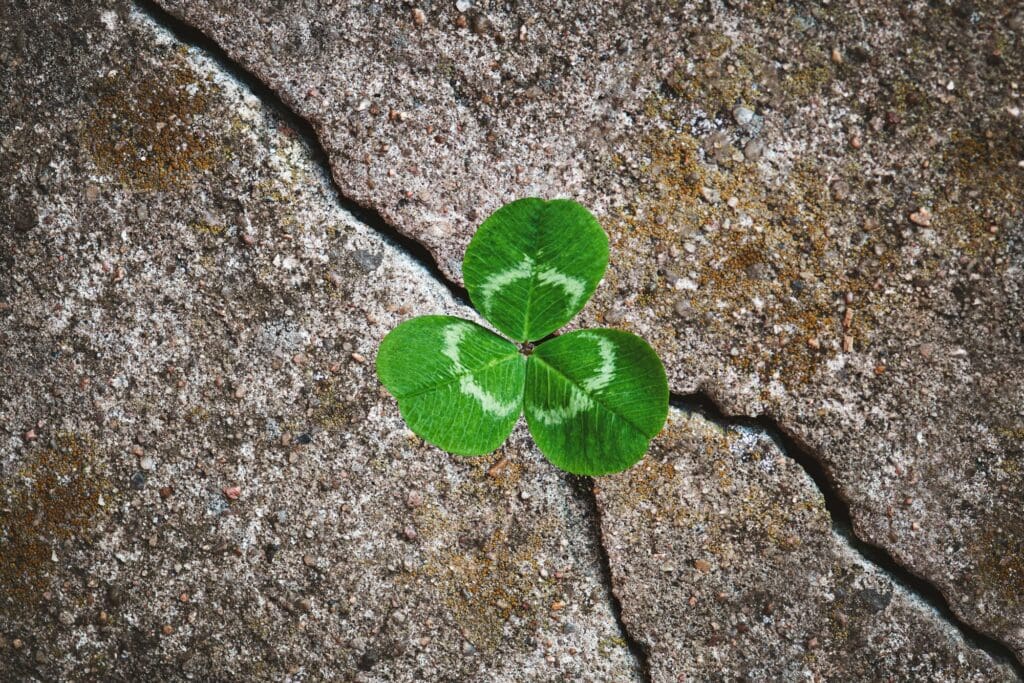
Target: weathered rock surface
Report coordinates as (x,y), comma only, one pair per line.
(815,212)
(199,475)
(727,567)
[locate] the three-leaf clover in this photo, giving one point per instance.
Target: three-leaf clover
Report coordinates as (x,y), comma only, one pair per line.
(593,399)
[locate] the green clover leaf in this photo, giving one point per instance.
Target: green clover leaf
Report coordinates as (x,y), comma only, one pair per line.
(593,399)
(533,264)
(458,386)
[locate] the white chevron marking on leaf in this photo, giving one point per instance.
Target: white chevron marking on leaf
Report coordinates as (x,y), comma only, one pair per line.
(578,402)
(492,284)
(573,286)
(453,336)
(606,372)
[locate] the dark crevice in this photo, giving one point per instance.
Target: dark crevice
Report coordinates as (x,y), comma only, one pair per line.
(700,403)
(842,520)
(193,37)
(583,487)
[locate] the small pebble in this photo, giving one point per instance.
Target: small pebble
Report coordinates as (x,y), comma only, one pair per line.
(743,115)
(147,463)
(922,217)
(753,150)
(710,195)
(702,566)
(167,629)
(468,648)
(232,492)
(497,468)
(414,499)
(419,17)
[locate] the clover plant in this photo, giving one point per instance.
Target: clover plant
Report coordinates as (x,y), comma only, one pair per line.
(593,399)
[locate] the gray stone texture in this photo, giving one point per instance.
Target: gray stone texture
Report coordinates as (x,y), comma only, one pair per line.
(201,477)
(815,211)
(728,568)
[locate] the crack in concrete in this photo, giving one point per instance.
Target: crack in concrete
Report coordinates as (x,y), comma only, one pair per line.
(700,403)
(838,508)
(307,131)
(584,489)
(189,35)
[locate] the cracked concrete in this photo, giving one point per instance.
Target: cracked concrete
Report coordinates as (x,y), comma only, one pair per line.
(201,478)
(815,214)
(123,171)
(728,567)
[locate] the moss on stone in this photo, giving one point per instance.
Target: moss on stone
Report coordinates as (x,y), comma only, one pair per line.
(56,497)
(149,131)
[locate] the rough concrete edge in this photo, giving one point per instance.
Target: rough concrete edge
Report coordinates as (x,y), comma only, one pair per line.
(701,402)
(370,217)
(307,131)
(926,593)
(584,488)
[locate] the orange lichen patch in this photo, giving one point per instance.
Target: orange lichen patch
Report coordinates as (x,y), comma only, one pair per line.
(501,470)
(492,588)
(486,584)
(55,498)
(986,190)
(645,480)
(148,131)
(204,228)
(999,568)
(746,250)
(335,409)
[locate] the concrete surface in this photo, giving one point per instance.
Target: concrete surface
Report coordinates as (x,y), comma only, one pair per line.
(201,478)
(815,212)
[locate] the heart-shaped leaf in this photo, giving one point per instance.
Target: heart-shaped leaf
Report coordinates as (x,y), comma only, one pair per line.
(594,399)
(533,264)
(459,386)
